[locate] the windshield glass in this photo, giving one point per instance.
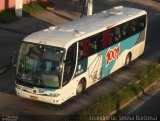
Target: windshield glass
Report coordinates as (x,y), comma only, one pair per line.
(40,65)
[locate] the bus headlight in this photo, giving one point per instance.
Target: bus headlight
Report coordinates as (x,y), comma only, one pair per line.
(54,94)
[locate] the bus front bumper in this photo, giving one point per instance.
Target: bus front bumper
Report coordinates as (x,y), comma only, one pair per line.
(42,98)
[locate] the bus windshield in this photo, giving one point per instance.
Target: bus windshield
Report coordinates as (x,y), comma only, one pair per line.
(40,65)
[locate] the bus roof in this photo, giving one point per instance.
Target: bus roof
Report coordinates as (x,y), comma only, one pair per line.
(66,34)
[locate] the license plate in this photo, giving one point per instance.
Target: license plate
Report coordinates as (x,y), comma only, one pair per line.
(33,97)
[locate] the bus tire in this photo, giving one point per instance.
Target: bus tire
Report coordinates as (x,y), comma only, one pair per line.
(128,59)
(80,87)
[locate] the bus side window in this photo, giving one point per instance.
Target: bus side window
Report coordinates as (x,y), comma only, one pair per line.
(86,47)
(124,31)
(95,43)
(106,41)
(133,26)
(141,23)
(129,29)
(117,34)
(83,48)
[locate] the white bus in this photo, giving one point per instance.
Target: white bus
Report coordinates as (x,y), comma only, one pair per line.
(60,62)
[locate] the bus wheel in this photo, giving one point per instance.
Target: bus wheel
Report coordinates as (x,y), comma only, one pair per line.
(128,59)
(80,87)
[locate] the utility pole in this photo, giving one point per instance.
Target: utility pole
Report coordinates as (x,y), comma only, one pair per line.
(18,8)
(90,7)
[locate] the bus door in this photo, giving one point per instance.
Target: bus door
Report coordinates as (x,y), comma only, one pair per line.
(95,60)
(95,68)
(69,69)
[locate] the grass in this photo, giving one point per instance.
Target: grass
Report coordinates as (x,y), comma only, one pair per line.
(112,101)
(35,7)
(7,16)
(32,8)
(147,76)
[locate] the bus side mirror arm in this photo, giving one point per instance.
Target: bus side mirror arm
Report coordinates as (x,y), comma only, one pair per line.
(14,58)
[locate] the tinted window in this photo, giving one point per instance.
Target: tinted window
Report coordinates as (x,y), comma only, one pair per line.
(106,41)
(109,37)
(95,43)
(70,63)
(83,48)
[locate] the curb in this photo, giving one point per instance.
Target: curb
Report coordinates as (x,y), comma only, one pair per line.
(135,97)
(14,31)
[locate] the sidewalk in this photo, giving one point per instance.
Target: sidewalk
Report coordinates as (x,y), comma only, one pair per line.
(57,17)
(149,3)
(62,13)
(13,33)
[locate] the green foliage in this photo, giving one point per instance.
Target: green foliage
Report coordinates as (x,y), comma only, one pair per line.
(112,101)
(148,75)
(7,16)
(32,8)
(35,7)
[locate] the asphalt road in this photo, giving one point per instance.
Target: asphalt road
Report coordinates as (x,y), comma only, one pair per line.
(148,106)
(28,110)
(145,108)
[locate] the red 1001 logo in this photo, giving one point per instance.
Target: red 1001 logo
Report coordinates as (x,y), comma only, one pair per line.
(112,54)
